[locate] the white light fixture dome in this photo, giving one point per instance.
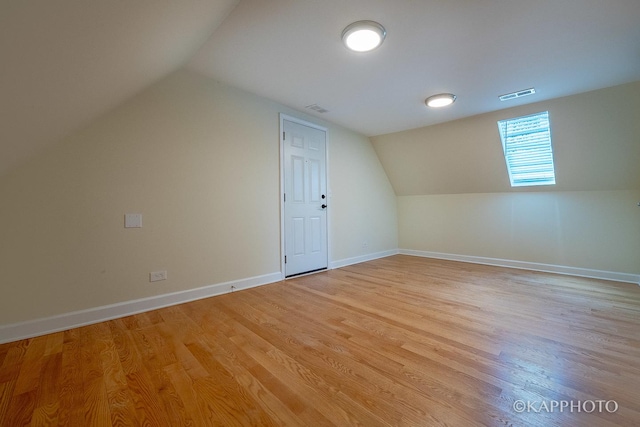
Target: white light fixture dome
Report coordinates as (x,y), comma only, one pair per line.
(440,100)
(363,36)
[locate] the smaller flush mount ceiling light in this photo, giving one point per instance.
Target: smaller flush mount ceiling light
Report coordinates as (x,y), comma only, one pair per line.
(363,36)
(440,100)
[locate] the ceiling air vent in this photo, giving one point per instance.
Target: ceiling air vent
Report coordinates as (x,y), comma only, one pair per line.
(518,94)
(317,108)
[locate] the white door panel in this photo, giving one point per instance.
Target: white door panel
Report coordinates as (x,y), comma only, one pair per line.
(315,227)
(298,236)
(305,188)
(297,179)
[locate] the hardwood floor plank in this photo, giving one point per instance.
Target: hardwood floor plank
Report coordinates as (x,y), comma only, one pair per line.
(174,407)
(131,345)
(71,397)
(31,366)
(15,353)
(95,399)
(184,358)
(47,415)
(119,397)
(148,405)
(6,393)
(184,387)
(20,410)
(49,384)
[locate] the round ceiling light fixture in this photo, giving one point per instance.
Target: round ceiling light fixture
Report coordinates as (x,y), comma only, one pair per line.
(363,36)
(440,100)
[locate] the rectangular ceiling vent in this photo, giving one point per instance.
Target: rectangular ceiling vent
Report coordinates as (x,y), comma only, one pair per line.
(317,108)
(518,94)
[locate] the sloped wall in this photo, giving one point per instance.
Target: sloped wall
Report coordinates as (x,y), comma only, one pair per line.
(596,146)
(200,161)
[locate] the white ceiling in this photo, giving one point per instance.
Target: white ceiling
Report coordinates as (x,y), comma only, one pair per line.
(64,63)
(290,51)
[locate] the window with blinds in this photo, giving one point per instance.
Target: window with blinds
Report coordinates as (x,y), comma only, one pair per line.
(526,142)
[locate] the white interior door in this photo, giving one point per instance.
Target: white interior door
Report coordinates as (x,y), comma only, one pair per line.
(305,198)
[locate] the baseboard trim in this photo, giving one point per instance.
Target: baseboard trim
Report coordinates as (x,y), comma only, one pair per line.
(524,265)
(62,322)
(363,258)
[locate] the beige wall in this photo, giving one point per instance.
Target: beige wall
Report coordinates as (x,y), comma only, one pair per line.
(200,161)
(363,204)
(597,230)
(454,195)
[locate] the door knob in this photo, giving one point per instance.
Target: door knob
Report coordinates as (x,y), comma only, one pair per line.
(324,206)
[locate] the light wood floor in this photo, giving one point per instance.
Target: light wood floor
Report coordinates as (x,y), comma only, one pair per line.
(397,341)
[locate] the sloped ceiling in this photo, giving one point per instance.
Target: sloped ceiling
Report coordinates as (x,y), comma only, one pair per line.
(595,137)
(66,62)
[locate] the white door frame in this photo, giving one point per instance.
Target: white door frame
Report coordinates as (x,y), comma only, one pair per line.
(284,117)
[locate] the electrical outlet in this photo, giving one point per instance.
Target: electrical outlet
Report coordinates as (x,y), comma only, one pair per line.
(156,276)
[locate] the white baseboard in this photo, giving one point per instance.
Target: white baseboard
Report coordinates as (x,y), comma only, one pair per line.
(37,327)
(524,265)
(363,258)
(62,322)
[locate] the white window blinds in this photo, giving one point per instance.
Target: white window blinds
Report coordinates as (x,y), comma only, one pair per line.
(526,142)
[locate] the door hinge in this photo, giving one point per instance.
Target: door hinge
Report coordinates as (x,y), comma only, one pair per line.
(285,259)
(285,197)
(283,137)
